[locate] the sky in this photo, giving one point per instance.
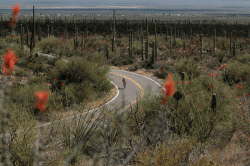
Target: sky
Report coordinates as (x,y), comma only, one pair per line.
(149,3)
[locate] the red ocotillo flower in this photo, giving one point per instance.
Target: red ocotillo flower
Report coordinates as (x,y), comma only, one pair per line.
(169,88)
(16,10)
(9,62)
(41,100)
(239,86)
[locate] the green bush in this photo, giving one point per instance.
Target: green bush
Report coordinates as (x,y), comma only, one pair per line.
(193,113)
(78,79)
(21,72)
(122,60)
(245,58)
(220,54)
(160,74)
(234,71)
(49,45)
(188,66)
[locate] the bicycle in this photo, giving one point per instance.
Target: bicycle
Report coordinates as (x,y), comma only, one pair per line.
(124,84)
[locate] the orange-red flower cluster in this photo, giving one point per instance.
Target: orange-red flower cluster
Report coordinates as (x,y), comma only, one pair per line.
(169,89)
(41,100)
(239,86)
(223,66)
(9,62)
(16,10)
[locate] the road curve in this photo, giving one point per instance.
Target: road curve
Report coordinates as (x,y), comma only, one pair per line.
(136,86)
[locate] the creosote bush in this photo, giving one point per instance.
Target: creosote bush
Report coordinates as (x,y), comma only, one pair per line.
(234,71)
(188,66)
(78,80)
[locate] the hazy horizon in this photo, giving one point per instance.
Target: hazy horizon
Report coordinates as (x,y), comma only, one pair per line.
(4,4)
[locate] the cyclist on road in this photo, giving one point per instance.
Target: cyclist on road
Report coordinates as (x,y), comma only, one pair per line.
(124,82)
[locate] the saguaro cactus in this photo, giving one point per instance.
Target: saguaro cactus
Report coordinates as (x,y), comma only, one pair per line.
(155,41)
(142,52)
(48,30)
(234,48)
(214,39)
(27,36)
(33,31)
(113,41)
(131,42)
(66,28)
(147,38)
(21,34)
(201,44)
(171,40)
(129,51)
(230,43)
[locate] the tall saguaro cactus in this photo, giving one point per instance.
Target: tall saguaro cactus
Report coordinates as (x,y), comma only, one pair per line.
(142,52)
(21,34)
(171,40)
(33,31)
(155,41)
(113,40)
(201,44)
(214,39)
(131,42)
(234,48)
(66,28)
(48,30)
(230,43)
(147,38)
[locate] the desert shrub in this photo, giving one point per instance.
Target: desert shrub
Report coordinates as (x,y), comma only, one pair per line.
(160,74)
(194,114)
(23,96)
(64,155)
(219,54)
(122,60)
(22,62)
(21,72)
(20,148)
(135,66)
(78,80)
(245,58)
(234,71)
(36,67)
(49,45)
(188,66)
(168,154)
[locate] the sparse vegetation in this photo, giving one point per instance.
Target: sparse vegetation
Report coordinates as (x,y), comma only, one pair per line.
(208,113)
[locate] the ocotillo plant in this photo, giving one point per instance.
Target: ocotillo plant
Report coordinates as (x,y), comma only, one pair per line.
(9,59)
(214,39)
